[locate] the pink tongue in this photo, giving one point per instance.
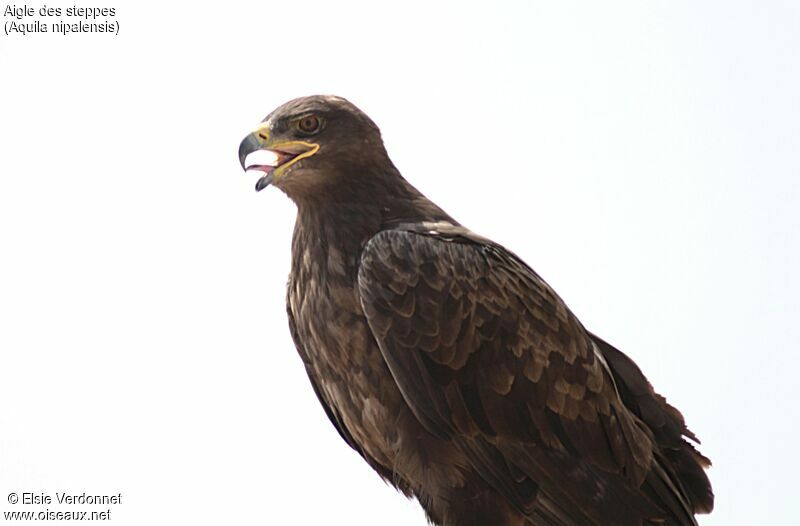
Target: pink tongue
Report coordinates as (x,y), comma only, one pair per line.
(260,168)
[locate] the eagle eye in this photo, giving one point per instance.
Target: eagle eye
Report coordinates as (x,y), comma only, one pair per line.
(309,124)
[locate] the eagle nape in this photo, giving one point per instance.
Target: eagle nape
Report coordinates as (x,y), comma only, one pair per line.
(449,365)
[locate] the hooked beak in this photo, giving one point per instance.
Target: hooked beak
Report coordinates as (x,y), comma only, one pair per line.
(260,152)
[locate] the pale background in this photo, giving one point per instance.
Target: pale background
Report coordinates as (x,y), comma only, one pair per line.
(642,156)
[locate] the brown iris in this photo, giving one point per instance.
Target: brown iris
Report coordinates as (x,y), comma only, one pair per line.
(309,124)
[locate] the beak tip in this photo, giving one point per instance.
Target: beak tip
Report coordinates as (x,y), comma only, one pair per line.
(248,145)
(263,182)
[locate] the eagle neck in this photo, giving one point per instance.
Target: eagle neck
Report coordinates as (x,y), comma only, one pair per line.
(333,227)
(328,239)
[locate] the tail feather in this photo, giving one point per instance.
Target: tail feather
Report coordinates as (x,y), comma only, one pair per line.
(677,457)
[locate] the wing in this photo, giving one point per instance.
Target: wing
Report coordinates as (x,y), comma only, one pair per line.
(486,354)
(667,425)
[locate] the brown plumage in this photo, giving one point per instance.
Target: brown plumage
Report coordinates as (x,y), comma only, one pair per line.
(447,363)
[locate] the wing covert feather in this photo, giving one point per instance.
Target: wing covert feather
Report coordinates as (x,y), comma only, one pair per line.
(479,344)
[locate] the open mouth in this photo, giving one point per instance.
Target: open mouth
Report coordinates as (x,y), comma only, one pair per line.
(272,160)
(266,162)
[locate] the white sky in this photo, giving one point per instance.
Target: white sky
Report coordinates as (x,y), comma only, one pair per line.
(642,156)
